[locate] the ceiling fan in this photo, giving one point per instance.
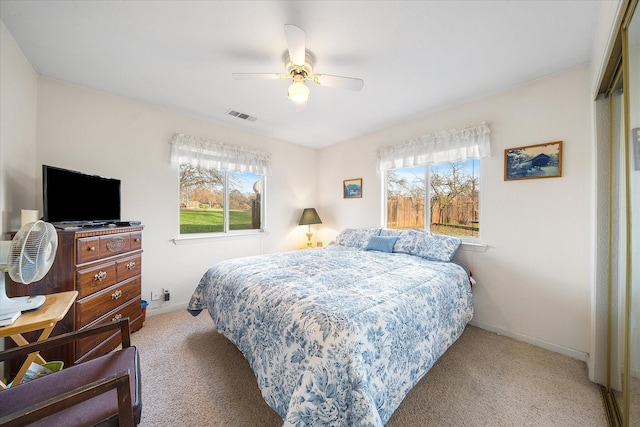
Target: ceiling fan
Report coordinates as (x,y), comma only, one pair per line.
(298,65)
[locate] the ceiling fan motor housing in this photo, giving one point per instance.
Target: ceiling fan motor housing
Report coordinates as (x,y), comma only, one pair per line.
(304,70)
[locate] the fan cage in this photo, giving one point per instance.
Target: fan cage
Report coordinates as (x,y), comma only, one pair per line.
(32,252)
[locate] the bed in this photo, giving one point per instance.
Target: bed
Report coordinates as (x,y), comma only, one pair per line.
(337,336)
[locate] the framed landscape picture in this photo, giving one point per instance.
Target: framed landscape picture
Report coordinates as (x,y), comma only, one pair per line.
(352,188)
(533,161)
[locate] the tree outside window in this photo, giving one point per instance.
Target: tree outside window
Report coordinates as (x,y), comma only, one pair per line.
(214,201)
(452,191)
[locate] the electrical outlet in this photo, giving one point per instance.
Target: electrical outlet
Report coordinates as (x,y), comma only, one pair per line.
(167,294)
(155,295)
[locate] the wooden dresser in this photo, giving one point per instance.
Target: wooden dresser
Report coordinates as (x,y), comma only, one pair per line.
(105,266)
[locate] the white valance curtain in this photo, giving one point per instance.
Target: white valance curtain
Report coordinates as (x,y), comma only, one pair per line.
(469,142)
(216,155)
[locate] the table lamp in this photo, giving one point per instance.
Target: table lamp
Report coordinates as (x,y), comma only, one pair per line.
(309,216)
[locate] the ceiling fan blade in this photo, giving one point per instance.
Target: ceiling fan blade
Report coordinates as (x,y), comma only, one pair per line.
(259,76)
(349,83)
(296,44)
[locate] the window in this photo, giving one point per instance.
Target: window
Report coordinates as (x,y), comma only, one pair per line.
(433,181)
(444,196)
(221,185)
(218,201)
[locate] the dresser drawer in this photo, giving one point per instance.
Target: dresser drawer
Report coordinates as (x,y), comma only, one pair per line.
(88,249)
(96,278)
(129,267)
(136,241)
(114,244)
(94,306)
(132,310)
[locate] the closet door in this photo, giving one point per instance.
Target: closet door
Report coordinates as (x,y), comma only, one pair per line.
(617,254)
(622,392)
(631,387)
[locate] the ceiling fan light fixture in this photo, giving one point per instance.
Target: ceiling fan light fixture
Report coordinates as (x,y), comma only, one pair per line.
(298,64)
(298,92)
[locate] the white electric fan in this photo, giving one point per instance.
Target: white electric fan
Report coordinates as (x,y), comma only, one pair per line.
(27,258)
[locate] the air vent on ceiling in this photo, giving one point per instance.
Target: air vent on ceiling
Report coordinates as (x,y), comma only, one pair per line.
(242,116)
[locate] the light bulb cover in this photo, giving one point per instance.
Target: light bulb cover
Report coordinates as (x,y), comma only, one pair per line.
(298,92)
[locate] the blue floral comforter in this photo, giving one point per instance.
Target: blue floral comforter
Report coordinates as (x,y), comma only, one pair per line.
(337,336)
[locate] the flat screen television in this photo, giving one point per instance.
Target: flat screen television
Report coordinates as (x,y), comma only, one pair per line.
(72,197)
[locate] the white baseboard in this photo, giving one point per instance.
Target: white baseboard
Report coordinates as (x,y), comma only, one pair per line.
(167,308)
(575,354)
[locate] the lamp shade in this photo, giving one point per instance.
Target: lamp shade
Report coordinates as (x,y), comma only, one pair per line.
(309,216)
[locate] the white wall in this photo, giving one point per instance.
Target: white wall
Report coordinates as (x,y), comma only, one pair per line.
(98,133)
(533,280)
(18,89)
(18,97)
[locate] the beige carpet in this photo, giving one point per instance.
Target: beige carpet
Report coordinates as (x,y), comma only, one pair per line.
(192,376)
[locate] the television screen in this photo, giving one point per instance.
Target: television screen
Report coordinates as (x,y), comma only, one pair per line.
(76,197)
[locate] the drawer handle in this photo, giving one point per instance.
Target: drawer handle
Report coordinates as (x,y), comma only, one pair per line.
(117,294)
(137,239)
(131,265)
(116,317)
(91,248)
(100,276)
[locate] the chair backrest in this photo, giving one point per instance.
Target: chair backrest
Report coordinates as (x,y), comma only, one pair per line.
(71,390)
(122,324)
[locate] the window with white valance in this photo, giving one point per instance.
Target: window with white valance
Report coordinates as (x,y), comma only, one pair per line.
(469,142)
(222,186)
(211,154)
(433,181)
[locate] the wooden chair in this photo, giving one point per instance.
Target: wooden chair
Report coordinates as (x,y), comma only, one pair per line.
(104,391)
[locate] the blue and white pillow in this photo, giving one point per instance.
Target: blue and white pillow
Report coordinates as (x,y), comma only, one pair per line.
(381,243)
(407,241)
(422,243)
(436,247)
(390,232)
(356,237)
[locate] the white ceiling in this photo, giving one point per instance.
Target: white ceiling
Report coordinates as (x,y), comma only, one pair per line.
(415,57)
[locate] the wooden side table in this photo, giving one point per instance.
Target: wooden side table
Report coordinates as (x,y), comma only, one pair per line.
(52,311)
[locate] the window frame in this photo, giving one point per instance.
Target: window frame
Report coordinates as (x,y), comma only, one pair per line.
(226,231)
(467,240)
